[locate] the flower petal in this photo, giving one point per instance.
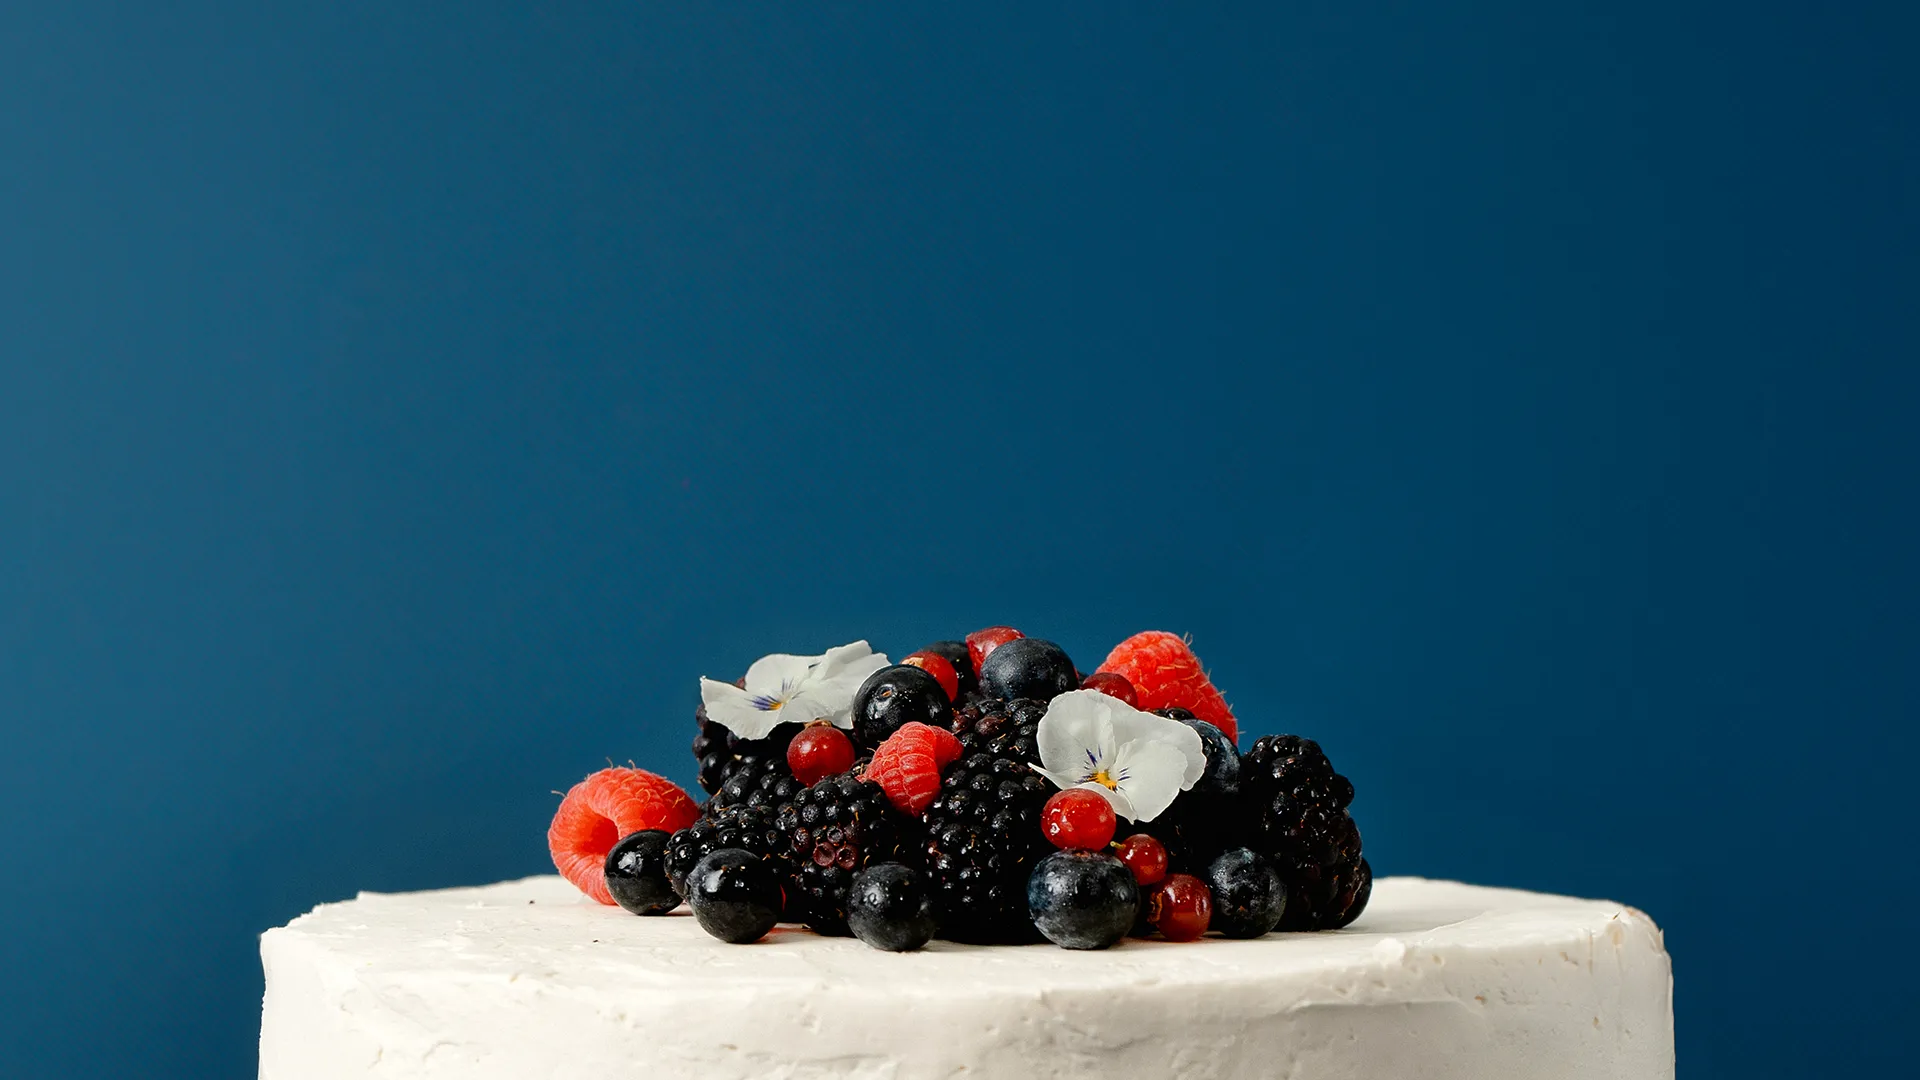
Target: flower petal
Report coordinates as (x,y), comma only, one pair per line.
(1075,736)
(775,674)
(847,661)
(820,703)
(1149,776)
(1062,780)
(1132,725)
(1121,804)
(734,709)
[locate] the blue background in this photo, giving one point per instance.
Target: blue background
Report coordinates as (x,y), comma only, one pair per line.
(400,408)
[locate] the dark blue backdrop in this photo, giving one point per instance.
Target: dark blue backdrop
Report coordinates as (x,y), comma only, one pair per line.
(399,409)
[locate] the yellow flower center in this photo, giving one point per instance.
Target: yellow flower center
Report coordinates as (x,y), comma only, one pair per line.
(1105,781)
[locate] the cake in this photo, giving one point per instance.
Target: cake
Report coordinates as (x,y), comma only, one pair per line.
(976,862)
(529,979)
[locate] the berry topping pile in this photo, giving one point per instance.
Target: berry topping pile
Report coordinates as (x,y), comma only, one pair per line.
(982,790)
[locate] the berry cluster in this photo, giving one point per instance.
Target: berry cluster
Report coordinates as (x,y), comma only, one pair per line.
(982,790)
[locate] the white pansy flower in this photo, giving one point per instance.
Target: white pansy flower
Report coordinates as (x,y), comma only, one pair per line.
(1139,761)
(783,688)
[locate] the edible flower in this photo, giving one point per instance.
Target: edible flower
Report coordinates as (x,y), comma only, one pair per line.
(1138,761)
(782,688)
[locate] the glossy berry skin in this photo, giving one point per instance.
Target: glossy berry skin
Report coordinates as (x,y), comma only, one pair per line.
(1078,820)
(819,750)
(1082,899)
(1180,907)
(1113,685)
(1028,668)
(637,873)
(1223,758)
(1145,856)
(889,908)
(956,653)
(735,895)
(940,668)
(1248,895)
(898,695)
(982,643)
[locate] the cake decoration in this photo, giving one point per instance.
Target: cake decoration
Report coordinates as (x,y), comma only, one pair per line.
(940,667)
(605,807)
(1137,761)
(785,688)
(1078,820)
(1145,856)
(1180,907)
(1083,899)
(974,792)
(907,766)
(636,873)
(819,751)
(1165,674)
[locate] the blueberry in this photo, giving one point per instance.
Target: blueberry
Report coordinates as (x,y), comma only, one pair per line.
(1223,760)
(735,894)
(1248,895)
(889,908)
(898,695)
(1028,668)
(637,874)
(1082,899)
(955,653)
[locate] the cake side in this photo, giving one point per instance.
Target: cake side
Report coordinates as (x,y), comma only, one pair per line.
(526,979)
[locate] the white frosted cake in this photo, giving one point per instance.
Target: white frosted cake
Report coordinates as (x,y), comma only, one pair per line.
(529,979)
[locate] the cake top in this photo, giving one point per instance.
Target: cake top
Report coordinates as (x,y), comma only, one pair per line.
(543,929)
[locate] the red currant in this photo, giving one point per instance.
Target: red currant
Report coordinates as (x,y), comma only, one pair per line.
(1113,684)
(819,750)
(1078,820)
(1180,907)
(982,642)
(1145,856)
(940,668)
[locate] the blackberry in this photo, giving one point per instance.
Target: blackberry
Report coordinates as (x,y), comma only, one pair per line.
(827,833)
(721,753)
(1297,807)
(757,781)
(1002,729)
(742,826)
(983,828)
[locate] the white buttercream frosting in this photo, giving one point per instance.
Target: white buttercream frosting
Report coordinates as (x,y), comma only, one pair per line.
(527,979)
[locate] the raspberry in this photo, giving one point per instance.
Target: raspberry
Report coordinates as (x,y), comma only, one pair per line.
(603,808)
(940,668)
(981,643)
(907,765)
(1164,672)
(1078,820)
